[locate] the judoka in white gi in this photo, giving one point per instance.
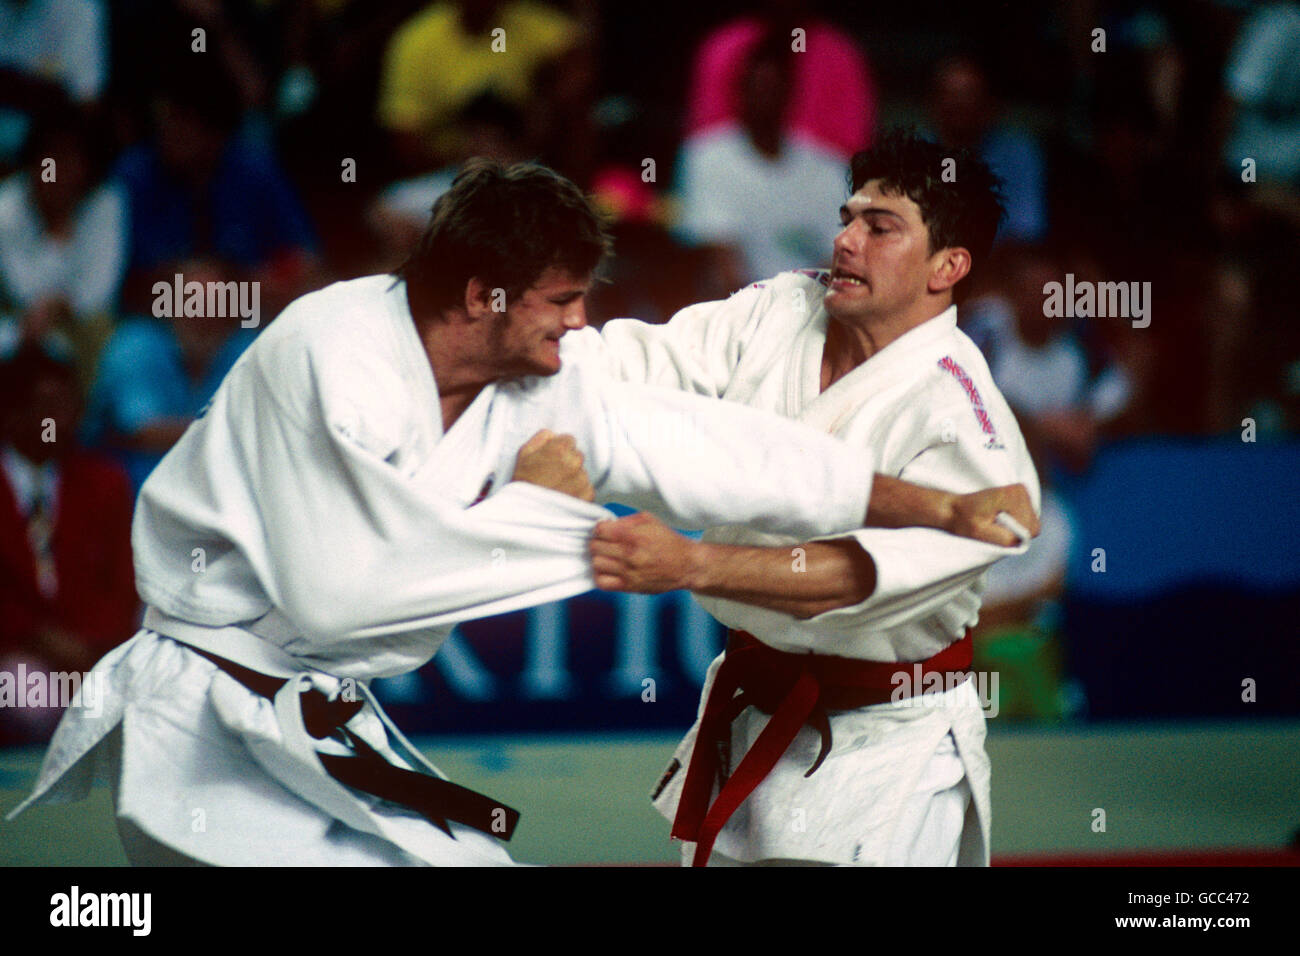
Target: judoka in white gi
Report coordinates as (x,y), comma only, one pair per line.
(869,351)
(348,497)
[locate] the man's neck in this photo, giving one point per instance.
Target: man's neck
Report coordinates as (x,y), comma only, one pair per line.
(848,345)
(459,381)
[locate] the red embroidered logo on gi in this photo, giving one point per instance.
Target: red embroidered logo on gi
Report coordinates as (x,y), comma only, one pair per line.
(981,414)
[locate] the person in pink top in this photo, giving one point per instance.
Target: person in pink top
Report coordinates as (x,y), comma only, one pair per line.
(832,71)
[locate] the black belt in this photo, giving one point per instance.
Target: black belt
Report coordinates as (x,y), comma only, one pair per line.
(435,799)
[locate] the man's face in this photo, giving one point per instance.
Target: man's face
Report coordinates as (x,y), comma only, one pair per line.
(881,260)
(526,341)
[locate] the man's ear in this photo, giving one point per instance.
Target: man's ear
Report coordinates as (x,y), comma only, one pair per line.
(953,265)
(482,301)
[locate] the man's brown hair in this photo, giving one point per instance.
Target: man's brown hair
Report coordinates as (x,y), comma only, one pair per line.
(505,225)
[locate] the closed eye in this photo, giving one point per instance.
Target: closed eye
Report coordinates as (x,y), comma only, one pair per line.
(874,222)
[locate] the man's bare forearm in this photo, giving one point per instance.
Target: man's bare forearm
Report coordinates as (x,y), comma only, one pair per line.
(643,555)
(815,577)
(900,504)
(803,581)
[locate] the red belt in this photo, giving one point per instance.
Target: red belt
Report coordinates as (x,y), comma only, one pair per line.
(795,689)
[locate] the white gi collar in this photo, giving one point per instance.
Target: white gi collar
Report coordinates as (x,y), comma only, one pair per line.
(875,373)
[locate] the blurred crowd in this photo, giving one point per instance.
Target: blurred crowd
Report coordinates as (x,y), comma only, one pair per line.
(290,143)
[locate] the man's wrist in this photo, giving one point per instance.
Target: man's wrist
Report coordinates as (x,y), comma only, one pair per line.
(945,511)
(699,565)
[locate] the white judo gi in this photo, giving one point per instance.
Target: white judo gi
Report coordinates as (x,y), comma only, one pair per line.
(317,524)
(926,409)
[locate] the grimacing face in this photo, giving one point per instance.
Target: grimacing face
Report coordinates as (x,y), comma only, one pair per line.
(881,259)
(527,339)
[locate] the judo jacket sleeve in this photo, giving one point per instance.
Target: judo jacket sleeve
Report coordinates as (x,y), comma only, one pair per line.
(296,506)
(700,462)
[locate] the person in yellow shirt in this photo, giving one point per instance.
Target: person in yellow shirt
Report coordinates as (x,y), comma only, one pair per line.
(451,52)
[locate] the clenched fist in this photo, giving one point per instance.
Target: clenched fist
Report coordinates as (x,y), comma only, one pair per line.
(640,553)
(553,461)
(976,515)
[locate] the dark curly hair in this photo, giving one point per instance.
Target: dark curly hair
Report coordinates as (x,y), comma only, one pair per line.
(965,212)
(505,225)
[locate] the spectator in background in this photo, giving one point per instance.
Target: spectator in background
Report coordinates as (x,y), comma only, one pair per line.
(1130,211)
(156,375)
(444,57)
(756,195)
(152,38)
(67,587)
(320,46)
(1263,83)
(653,277)
(831,70)
(200,188)
(490,127)
(965,113)
(1253,340)
(49,50)
(63,238)
(1057,374)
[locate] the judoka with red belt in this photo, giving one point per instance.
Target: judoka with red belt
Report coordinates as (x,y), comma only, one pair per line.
(840,725)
